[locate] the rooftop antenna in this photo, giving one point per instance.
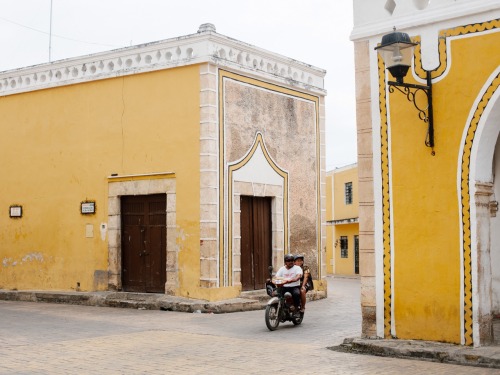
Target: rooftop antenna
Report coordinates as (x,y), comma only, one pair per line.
(50,34)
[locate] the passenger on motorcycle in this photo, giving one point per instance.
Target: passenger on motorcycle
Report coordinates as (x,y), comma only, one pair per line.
(291,274)
(305,280)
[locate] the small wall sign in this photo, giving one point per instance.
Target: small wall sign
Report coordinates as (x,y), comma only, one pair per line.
(16,211)
(87,208)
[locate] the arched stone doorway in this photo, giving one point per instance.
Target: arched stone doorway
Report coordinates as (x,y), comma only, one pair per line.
(484,187)
(495,239)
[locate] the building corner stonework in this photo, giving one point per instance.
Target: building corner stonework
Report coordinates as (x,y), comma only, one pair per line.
(365,181)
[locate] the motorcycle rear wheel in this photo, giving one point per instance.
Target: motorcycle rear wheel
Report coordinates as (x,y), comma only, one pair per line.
(272,317)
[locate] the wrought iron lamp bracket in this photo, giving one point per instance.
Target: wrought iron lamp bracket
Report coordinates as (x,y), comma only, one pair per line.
(424,114)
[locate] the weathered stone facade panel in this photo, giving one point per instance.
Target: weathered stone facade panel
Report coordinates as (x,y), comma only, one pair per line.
(286,123)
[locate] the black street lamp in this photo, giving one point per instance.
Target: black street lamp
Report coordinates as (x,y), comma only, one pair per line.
(396,51)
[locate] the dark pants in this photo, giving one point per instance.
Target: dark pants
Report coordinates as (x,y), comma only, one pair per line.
(295,291)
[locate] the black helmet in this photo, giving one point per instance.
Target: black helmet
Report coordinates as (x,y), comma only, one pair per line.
(288,257)
(299,256)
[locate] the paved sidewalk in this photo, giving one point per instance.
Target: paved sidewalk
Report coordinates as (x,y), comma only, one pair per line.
(148,301)
(485,356)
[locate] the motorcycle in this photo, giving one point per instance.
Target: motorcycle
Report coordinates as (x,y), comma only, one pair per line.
(280,307)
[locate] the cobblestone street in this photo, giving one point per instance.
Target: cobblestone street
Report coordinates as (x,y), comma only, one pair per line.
(39,338)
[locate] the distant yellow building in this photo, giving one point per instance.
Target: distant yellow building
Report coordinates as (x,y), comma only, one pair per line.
(186,166)
(342,239)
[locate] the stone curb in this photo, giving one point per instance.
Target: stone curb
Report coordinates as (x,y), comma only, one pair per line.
(488,356)
(143,301)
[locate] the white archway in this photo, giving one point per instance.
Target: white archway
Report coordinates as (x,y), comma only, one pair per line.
(484,187)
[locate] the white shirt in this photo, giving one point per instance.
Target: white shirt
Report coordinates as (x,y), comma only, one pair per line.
(290,274)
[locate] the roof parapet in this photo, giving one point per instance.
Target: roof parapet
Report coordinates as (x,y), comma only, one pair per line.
(204,46)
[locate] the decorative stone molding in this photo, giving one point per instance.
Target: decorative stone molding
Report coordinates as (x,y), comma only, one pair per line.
(209,191)
(493,208)
(484,188)
(322,187)
(484,193)
(158,183)
(373,301)
(344,221)
(482,313)
(204,46)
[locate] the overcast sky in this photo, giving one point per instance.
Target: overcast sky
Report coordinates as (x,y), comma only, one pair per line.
(312,31)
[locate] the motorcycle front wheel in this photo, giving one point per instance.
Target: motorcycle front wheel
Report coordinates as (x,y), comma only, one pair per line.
(297,321)
(272,317)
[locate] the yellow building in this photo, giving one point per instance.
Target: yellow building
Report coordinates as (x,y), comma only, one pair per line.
(342,233)
(429,229)
(181,166)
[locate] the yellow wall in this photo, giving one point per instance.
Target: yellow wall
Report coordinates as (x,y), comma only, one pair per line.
(330,240)
(61,144)
(329,227)
(341,209)
(337,209)
(426,217)
(329,196)
(345,266)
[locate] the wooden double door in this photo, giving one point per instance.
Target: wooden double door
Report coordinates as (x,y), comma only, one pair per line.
(143,220)
(256,241)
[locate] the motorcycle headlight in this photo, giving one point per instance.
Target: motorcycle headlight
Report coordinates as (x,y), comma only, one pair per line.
(269,290)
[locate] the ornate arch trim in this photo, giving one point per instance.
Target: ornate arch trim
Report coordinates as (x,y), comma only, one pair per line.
(465,200)
(258,142)
(464,175)
(444,35)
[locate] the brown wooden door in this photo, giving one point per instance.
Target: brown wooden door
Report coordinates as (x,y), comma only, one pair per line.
(144,243)
(356,255)
(256,241)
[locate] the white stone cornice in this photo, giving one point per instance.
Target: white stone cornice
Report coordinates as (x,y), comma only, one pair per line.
(438,11)
(202,47)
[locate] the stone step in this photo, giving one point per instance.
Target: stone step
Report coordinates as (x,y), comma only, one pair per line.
(261,295)
(258,295)
(496,330)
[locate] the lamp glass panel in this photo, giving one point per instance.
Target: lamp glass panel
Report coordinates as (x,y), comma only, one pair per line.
(396,54)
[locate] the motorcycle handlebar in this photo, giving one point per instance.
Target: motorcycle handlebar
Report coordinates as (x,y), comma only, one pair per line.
(278,281)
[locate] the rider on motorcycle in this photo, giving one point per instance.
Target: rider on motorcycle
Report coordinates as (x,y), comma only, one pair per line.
(305,280)
(291,274)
